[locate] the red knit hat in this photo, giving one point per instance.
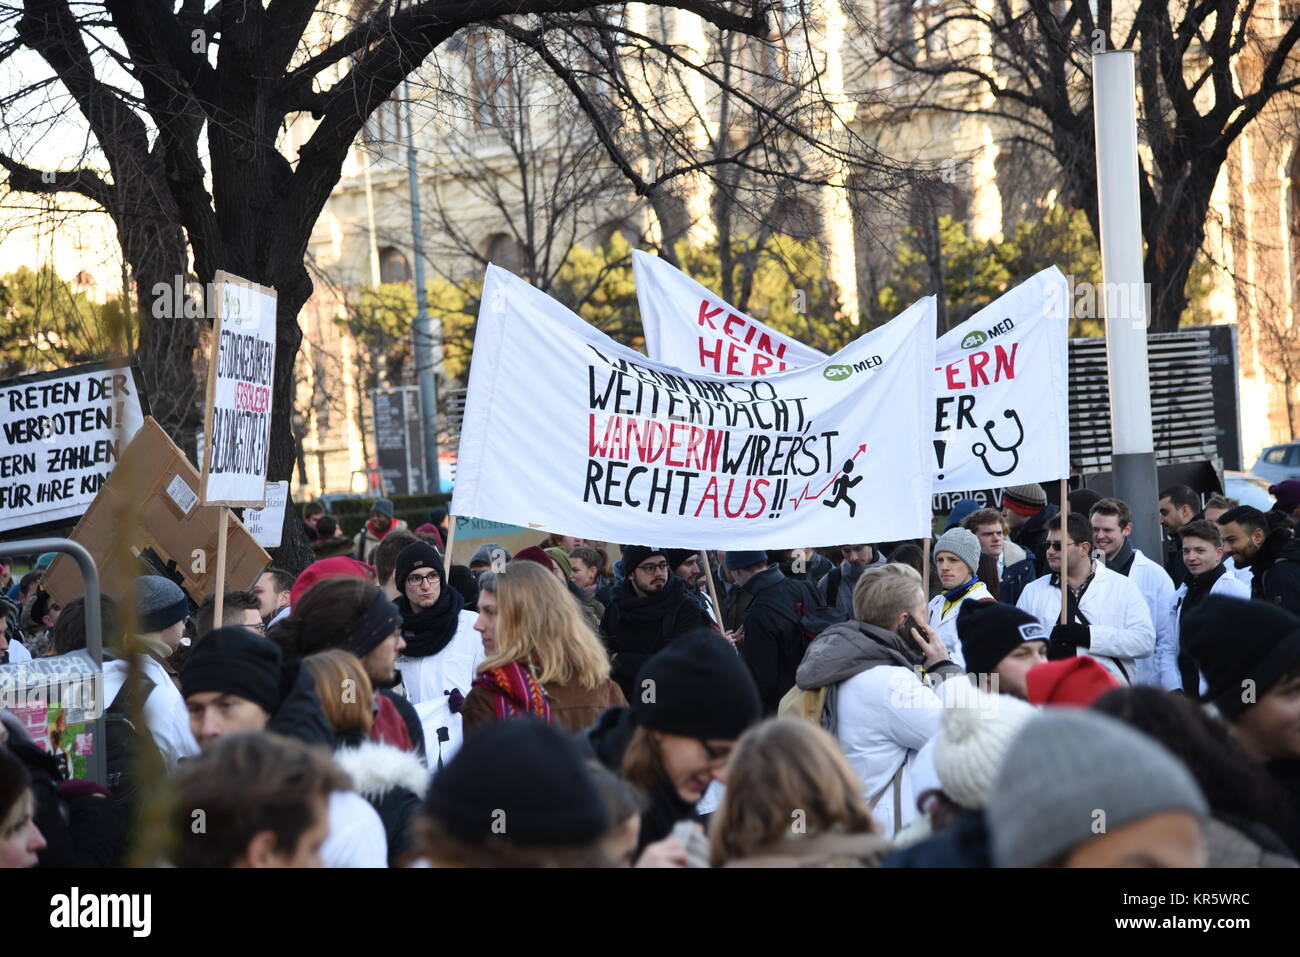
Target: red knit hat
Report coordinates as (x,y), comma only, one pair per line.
(1025,499)
(1071,681)
(535,553)
(340,566)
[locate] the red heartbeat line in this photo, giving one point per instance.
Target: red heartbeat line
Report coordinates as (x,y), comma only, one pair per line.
(803,496)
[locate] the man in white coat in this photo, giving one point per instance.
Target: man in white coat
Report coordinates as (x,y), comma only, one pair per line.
(160,609)
(442,652)
(1203,553)
(956,561)
(1108,618)
(1112,524)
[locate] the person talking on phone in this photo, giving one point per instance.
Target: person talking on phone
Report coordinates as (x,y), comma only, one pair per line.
(880,669)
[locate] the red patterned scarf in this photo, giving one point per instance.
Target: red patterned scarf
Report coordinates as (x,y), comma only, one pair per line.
(515,692)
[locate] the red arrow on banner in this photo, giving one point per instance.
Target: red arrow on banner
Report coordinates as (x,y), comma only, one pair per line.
(804,497)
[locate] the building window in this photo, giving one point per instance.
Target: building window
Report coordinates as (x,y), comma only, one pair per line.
(491,77)
(505,251)
(393,266)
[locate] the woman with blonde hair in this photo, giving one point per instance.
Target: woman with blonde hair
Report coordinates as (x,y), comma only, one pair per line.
(393,781)
(542,658)
(793,801)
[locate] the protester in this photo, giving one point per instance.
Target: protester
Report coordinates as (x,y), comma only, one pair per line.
(1001,644)
(461,579)
(1108,618)
(1016,569)
(624,804)
(354,616)
(490,557)
(695,699)
(1027,514)
(242,608)
(684,563)
(646,611)
(1249,652)
(40,615)
(428,532)
(837,587)
(69,632)
(1202,556)
(1286,499)
(1080,789)
(1112,524)
(1248,810)
(1273,557)
(877,704)
(542,660)
(956,562)
(12,651)
(1070,682)
(327,529)
(585,562)
(1216,505)
(975,732)
(1082,500)
(311,516)
(557,563)
(516,795)
(273,590)
(236,681)
(264,800)
(392,780)
(1179,505)
(793,801)
(774,641)
(6,576)
(960,511)
(160,612)
(380,524)
(326,568)
(20,839)
(385,558)
(442,652)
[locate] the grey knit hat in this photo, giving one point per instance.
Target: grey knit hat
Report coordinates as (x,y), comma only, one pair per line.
(483,554)
(963,543)
(159,603)
(1073,774)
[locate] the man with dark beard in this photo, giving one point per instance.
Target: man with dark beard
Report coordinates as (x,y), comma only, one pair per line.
(647,610)
(442,652)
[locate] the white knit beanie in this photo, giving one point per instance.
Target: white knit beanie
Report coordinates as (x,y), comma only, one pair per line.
(975,731)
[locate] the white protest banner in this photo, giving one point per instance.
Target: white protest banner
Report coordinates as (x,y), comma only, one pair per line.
(687,326)
(619,448)
(267,524)
(1001,377)
(237,421)
(63,432)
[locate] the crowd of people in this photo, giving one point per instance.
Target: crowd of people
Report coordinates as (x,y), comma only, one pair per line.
(871,705)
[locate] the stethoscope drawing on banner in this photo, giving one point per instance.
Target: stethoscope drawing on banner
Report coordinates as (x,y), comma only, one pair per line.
(981,450)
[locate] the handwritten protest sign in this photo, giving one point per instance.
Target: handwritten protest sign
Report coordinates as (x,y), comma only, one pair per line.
(267,524)
(237,423)
(1000,413)
(628,450)
(62,434)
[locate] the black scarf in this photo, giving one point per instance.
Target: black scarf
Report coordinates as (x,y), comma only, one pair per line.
(429,631)
(666,808)
(1123,560)
(1198,586)
(649,610)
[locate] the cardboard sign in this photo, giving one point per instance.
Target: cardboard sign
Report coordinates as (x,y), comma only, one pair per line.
(155,477)
(241,374)
(267,524)
(61,433)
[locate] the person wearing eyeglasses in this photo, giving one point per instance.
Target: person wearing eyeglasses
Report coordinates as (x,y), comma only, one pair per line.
(647,610)
(1107,616)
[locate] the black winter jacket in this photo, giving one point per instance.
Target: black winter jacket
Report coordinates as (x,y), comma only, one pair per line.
(636,627)
(774,643)
(1276,571)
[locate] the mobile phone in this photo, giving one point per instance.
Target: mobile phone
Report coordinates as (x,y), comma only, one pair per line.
(905,629)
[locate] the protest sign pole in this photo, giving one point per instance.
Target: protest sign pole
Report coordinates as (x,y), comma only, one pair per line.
(713,591)
(451,540)
(219,595)
(1065,584)
(925,568)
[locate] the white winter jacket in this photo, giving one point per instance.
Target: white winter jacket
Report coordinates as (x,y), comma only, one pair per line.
(1122,630)
(886,715)
(1157,590)
(430,680)
(165,714)
(945,625)
(1227,585)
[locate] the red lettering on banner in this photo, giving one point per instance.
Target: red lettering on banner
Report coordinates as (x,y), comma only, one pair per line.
(714,354)
(952,382)
(732,319)
(710,493)
(706,315)
(1006,364)
(762,502)
(978,360)
(761,364)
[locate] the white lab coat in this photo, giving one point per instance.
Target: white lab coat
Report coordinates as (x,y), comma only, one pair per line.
(1122,631)
(1227,585)
(429,681)
(165,714)
(945,626)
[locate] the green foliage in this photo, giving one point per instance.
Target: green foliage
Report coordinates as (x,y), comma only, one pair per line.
(48,324)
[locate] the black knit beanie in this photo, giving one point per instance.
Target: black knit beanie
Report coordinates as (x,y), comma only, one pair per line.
(990,630)
(521,782)
(415,556)
(634,555)
(697,687)
(1235,641)
(233,660)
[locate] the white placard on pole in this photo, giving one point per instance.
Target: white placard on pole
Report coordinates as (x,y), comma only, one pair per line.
(267,524)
